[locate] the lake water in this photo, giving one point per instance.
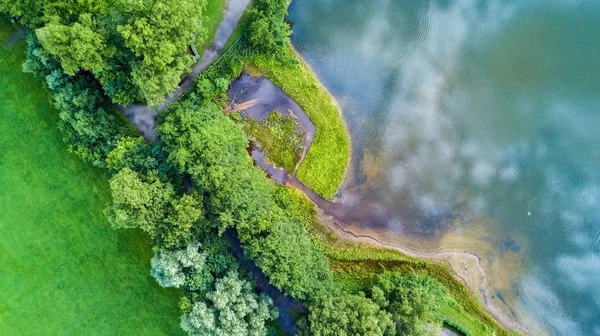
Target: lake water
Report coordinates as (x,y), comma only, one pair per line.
(475,126)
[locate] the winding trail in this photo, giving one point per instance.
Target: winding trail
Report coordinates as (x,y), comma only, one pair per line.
(144,116)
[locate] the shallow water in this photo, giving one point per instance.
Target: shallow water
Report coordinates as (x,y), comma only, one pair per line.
(474,126)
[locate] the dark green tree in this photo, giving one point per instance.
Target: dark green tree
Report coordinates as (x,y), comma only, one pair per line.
(413,301)
(341,314)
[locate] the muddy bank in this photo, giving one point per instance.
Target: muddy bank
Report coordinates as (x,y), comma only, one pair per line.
(144,116)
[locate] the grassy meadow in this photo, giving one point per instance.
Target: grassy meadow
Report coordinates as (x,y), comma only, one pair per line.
(64,270)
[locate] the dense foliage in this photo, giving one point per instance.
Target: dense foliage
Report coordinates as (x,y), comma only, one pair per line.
(211,148)
(136,49)
(414,302)
(89,124)
(348,314)
(267,31)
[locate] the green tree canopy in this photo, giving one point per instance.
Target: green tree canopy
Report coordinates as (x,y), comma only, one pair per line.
(413,301)
(82,45)
(341,314)
(231,309)
(145,202)
(136,49)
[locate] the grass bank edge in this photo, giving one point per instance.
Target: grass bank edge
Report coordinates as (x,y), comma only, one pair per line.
(356,265)
(324,167)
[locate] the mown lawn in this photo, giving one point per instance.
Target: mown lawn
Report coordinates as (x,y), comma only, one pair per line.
(63,269)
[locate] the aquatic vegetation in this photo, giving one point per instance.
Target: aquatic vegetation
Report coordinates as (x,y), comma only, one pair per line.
(278,137)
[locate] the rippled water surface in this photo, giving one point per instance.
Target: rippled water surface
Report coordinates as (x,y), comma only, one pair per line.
(475,125)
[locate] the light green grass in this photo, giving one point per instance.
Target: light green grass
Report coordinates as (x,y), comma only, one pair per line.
(355,267)
(324,167)
(64,270)
(213,15)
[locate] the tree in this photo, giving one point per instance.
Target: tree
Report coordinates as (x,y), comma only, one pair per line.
(132,153)
(81,45)
(206,144)
(231,309)
(169,267)
(268,30)
(145,202)
(413,301)
(341,314)
(158,33)
(88,127)
(291,260)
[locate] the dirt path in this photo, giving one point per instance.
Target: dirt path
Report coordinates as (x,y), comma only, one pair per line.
(144,116)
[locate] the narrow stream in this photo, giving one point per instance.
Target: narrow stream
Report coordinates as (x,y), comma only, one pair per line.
(144,116)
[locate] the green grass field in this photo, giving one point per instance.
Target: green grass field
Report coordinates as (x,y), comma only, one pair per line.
(63,269)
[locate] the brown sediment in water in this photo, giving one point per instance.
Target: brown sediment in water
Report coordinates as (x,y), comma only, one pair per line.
(465,265)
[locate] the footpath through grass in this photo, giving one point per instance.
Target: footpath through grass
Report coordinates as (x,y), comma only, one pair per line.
(214,15)
(64,270)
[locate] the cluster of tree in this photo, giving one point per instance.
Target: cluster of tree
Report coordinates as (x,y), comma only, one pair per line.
(268,32)
(398,305)
(219,301)
(87,119)
(136,49)
(211,148)
(189,254)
